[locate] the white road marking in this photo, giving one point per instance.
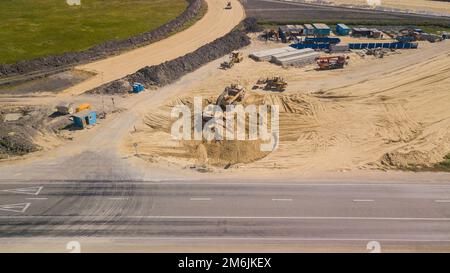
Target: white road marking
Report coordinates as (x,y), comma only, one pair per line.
(22,207)
(93,217)
(442,201)
(29,190)
(282,199)
(363,200)
(93,239)
(294,184)
(37,198)
(200,199)
(118,198)
(18,174)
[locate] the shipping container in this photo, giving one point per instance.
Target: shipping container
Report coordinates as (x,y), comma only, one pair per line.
(84,118)
(321,30)
(342,29)
(308,30)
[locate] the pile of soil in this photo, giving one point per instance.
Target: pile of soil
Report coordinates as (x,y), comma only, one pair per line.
(105,49)
(17,137)
(170,71)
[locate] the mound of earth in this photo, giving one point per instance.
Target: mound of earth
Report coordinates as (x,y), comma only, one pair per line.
(23,128)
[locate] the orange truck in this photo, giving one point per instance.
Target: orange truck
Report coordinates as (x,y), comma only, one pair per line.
(332,62)
(83,107)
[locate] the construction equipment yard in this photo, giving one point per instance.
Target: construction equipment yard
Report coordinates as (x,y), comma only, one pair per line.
(375,111)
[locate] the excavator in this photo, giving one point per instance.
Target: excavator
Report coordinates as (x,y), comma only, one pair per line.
(332,62)
(276,83)
(235,57)
(228,6)
(232,95)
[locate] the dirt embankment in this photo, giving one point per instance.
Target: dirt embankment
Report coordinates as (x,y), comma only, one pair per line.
(170,71)
(27,129)
(105,49)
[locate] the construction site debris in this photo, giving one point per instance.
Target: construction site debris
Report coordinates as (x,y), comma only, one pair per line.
(65,108)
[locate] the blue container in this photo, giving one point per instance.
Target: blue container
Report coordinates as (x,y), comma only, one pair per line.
(342,29)
(321,30)
(396,45)
(327,40)
(84,118)
(138,87)
(312,46)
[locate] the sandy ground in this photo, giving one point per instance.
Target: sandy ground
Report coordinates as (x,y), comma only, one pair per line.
(216,23)
(392,111)
(412,5)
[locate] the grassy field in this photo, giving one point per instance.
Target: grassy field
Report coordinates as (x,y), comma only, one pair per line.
(35,28)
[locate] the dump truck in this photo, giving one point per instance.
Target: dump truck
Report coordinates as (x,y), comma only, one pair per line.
(332,62)
(235,57)
(276,83)
(232,95)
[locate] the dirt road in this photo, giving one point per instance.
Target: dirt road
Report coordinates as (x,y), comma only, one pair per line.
(216,23)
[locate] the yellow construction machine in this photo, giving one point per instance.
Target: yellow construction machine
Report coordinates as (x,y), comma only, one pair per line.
(232,95)
(235,57)
(276,83)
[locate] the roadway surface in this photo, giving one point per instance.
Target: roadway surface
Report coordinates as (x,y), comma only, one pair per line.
(88,191)
(201,213)
(279,10)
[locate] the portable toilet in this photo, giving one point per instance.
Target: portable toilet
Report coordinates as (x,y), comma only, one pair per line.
(342,29)
(84,118)
(138,88)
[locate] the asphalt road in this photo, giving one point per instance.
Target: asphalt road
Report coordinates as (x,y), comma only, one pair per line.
(276,10)
(403,216)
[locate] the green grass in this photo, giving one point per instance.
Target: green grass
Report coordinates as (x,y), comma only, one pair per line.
(36,28)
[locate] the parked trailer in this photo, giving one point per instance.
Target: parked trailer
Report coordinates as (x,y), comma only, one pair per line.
(383,45)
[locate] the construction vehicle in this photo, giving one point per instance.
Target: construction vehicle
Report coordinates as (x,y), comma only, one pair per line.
(276,83)
(232,95)
(235,57)
(228,6)
(82,107)
(332,62)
